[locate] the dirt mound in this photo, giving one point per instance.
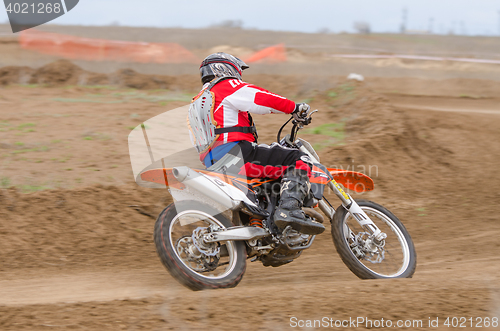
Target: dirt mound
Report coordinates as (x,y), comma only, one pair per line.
(380,140)
(64,72)
(454,87)
(56,73)
(15,75)
(68,228)
(133,79)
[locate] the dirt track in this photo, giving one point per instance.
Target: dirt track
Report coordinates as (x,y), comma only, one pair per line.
(76,250)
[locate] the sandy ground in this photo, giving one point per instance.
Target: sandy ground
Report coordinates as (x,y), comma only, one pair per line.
(76,245)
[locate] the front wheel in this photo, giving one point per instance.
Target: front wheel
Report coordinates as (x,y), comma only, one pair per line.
(394,257)
(178,237)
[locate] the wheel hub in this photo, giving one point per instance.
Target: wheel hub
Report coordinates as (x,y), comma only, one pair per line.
(208,249)
(365,247)
(197,259)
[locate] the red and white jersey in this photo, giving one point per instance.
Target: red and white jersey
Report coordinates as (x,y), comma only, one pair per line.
(235,98)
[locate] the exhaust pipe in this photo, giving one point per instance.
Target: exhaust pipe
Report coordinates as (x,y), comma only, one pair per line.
(180,173)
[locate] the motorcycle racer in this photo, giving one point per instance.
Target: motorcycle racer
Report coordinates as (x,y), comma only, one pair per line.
(220,123)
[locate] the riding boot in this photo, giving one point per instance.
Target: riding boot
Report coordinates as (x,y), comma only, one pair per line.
(294,189)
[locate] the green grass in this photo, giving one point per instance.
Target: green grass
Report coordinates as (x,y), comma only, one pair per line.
(334,130)
(103,136)
(347,87)
(96,135)
(5,182)
(126,96)
(27,188)
(94,95)
(24,151)
(421,210)
(340,95)
(65,159)
(25,125)
(325,143)
(104,87)
(85,100)
(31,85)
(36,149)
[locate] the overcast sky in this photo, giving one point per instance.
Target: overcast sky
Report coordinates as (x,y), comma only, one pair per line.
(472,17)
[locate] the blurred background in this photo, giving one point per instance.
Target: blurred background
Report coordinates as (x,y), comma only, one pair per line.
(408,93)
(323,34)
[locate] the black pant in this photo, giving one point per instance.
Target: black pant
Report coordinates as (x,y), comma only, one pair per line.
(268,161)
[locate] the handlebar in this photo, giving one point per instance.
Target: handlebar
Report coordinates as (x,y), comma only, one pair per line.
(303,112)
(297,125)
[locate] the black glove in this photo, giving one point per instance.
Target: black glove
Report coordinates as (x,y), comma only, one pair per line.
(300,112)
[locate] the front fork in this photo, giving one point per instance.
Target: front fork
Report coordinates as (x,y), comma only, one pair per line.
(353,208)
(348,202)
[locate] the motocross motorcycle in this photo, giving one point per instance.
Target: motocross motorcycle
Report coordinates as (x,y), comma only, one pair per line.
(220,219)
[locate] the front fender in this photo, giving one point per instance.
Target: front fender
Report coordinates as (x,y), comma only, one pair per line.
(352,180)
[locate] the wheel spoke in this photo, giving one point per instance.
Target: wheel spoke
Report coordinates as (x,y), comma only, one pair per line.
(396,253)
(186,229)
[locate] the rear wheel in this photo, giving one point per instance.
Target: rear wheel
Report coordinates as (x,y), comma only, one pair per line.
(394,257)
(197,265)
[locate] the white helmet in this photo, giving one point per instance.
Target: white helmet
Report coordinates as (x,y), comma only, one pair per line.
(221,65)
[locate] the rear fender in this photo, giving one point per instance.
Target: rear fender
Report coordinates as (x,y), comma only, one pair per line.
(209,186)
(162,176)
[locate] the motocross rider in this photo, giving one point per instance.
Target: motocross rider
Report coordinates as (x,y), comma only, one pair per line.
(232,102)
